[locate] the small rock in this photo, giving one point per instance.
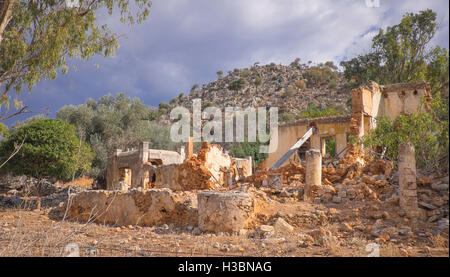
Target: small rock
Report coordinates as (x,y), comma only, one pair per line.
(434,218)
(196,231)
(336,199)
(274,240)
(346,227)
(439,187)
(427,206)
(281,226)
(242,232)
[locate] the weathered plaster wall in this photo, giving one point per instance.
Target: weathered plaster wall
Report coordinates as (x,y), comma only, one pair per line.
(368,102)
(289,134)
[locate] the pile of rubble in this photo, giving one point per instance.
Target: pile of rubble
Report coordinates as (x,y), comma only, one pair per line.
(211,211)
(210,168)
(31,193)
(209,193)
(290,174)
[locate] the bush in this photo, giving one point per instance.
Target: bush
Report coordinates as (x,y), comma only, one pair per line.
(313,111)
(320,74)
(153,115)
(51,148)
(163,108)
(332,84)
(245,149)
(238,84)
(425,130)
(286,117)
(4,131)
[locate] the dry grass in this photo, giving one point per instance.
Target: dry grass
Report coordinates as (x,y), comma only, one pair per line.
(439,241)
(82,181)
(391,250)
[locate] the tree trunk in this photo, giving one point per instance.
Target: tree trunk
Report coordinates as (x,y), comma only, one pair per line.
(5,15)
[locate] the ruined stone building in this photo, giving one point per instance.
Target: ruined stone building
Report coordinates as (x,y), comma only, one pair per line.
(211,167)
(368,102)
(136,167)
(152,168)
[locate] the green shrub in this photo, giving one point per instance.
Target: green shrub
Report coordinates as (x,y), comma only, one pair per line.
(245,149)
(51,148)
(163,108)
(238,84)
(425,130)
(320,74)
(4,131)
(153,115)
(331,146)
(332,84)
(286,117)
(313,111)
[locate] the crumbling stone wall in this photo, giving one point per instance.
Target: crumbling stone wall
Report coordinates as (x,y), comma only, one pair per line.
(290,133)
(368,102)
(134,168)
(135,207)
(407,179)
(209,169)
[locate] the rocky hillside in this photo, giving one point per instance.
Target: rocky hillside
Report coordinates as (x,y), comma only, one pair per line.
(290,88)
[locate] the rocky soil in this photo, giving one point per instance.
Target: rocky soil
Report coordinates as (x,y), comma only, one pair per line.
(283,224)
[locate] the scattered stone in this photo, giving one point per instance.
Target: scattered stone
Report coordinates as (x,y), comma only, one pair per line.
(427,206)
(281,226)
(266,230)
(337,199)
(274,240)
(439,186)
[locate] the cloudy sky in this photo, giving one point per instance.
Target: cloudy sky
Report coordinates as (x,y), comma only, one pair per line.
(185,42)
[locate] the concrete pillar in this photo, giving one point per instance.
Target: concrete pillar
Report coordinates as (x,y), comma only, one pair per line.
(313,178)
(341,143)
(112,170)
(315,142)
(143,151)
(407,179)
(323,147)
(190,147)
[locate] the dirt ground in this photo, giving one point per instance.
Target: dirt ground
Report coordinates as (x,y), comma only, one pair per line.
(346,226)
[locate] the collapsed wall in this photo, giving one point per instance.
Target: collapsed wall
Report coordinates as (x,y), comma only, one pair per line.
(211,168)
(135,207)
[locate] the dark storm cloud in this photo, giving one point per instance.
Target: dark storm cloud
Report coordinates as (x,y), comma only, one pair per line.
(186,42)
